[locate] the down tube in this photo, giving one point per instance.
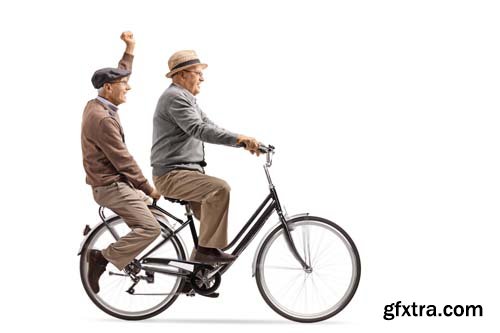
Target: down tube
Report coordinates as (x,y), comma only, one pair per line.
(251,233)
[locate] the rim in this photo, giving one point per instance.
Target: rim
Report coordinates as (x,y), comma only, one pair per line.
(113,296)
(309,295)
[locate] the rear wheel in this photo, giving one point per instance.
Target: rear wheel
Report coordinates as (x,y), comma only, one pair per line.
(118,296)
(315,295)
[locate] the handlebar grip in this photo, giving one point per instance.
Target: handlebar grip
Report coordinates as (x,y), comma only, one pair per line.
(262,148)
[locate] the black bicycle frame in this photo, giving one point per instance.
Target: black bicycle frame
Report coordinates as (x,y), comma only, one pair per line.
(242,240)
(270,204)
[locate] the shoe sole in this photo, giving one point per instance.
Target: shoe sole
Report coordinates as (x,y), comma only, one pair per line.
(200,257)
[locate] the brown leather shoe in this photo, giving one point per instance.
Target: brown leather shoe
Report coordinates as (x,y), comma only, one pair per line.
(209,255)
(97,266)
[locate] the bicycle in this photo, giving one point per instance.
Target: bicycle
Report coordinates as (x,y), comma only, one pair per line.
(307,268)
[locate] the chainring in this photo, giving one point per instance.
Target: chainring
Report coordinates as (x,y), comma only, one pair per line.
(202,284)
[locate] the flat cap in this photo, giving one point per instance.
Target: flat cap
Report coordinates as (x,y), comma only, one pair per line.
(105,75)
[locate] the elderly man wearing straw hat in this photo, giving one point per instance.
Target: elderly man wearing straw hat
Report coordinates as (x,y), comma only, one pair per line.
(180,128)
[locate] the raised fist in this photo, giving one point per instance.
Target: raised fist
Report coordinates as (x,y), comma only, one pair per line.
(128,37)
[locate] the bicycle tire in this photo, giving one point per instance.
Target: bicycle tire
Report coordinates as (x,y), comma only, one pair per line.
(338,236)
(181,255)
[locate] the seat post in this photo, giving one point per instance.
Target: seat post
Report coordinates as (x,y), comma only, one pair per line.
(189,214)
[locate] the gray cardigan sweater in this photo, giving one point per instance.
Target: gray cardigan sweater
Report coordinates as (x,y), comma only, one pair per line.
(179,129)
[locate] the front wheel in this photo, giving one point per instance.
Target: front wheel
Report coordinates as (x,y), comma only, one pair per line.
(308,295)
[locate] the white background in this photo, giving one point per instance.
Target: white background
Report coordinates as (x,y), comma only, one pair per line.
(386,119)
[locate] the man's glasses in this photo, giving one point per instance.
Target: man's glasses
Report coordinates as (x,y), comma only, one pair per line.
(200,74)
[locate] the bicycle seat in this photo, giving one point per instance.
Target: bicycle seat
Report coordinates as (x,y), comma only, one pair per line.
(181,202)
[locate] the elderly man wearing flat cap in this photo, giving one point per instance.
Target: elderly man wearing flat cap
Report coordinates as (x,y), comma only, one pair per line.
(111,170)
(180,128)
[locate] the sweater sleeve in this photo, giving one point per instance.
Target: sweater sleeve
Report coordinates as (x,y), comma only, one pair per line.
(126,62)
(111,143)
(196,124)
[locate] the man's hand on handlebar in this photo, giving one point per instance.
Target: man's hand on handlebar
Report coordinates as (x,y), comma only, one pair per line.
(249,143)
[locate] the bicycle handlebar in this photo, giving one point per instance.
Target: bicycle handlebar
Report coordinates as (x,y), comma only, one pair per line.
(262,148)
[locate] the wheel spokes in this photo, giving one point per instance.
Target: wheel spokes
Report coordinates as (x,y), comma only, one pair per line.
(301,293)
(148,295)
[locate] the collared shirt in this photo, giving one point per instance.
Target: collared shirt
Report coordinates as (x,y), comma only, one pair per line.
(107,103)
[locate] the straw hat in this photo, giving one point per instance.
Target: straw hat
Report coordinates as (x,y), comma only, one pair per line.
(181,60)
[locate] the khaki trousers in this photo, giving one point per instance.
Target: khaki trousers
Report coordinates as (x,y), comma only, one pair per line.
(209,200)
(128,203)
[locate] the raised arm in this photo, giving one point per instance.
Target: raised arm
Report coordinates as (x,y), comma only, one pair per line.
(128,56)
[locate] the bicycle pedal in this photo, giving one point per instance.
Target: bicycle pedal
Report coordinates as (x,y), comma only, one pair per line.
(133,268)
(191,293)
(212,295)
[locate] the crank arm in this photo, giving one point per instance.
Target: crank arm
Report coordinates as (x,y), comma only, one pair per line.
(215,271)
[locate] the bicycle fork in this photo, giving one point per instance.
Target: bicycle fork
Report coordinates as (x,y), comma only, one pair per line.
(288,236)
(291,245)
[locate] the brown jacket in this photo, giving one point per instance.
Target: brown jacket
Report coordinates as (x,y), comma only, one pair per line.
(105,156)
